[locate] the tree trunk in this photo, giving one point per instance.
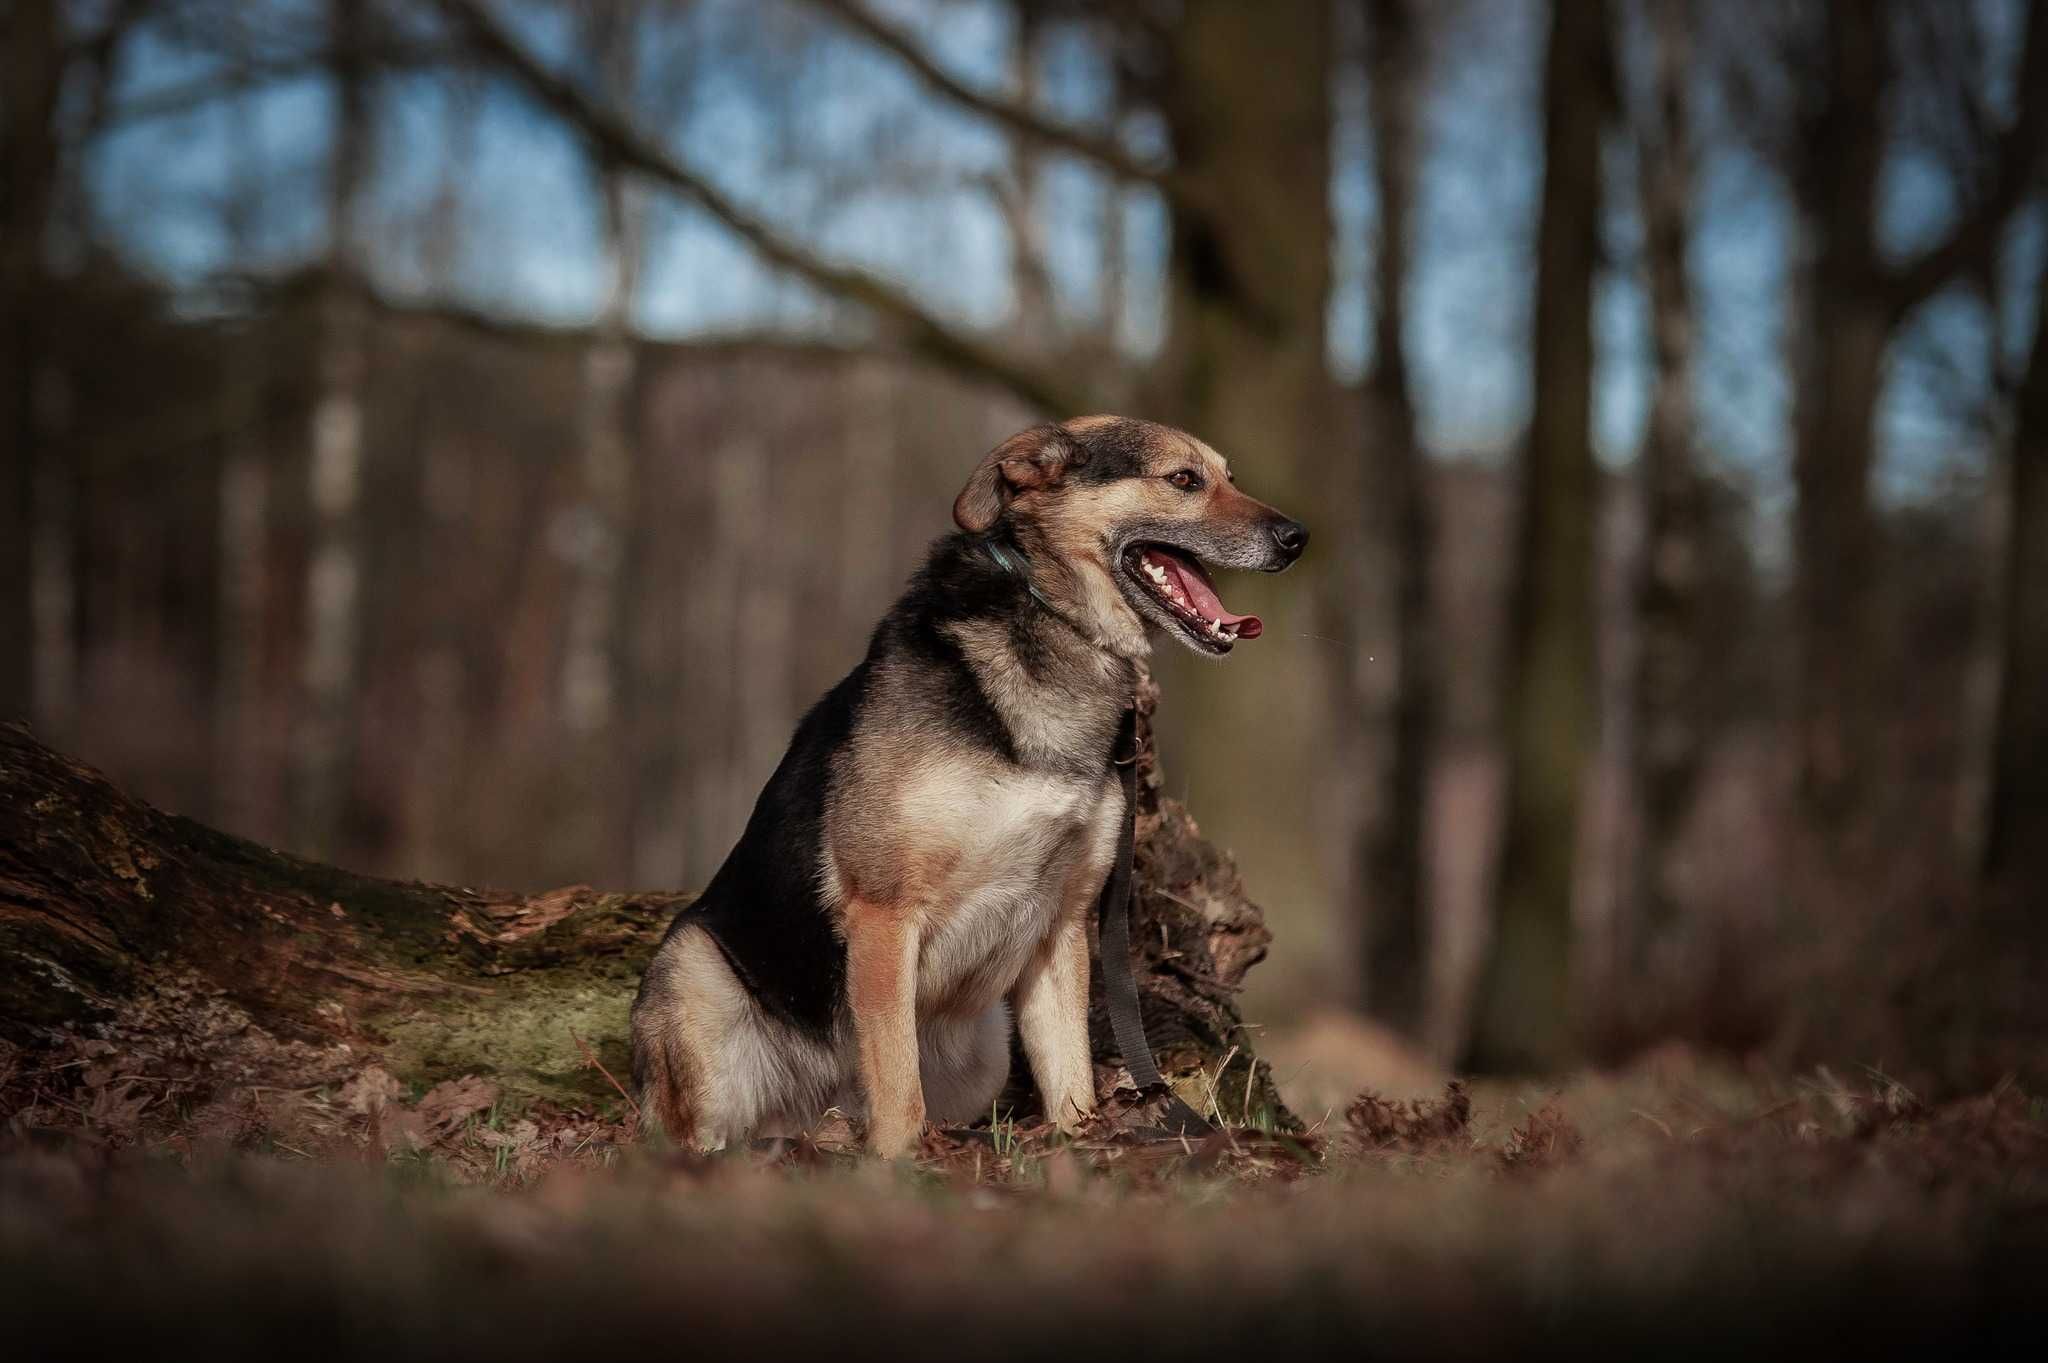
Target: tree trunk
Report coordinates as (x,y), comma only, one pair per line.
(594,677)
(1246,97)
(1847,328)
(218,967)
(1393,852)
(28,174)
(1023,194)
(242,587)
(1524,1019)
(335,473)
(591,670)
(2016,841)
(1667,723)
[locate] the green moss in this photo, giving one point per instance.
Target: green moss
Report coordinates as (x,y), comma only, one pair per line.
(521,1032)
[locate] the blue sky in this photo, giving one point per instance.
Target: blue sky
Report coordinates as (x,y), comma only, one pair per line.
(835,141)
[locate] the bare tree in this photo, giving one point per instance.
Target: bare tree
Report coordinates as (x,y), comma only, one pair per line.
(613,135)
(1852,300)
(1524,1015)
(1669,741)
(591,671)
(1393,852)
(335,462)
(1245,94)
(1022,192)
(2016,844)
(34,37)
(245,495)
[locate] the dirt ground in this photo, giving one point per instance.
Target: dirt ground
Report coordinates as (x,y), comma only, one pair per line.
(1686,1206)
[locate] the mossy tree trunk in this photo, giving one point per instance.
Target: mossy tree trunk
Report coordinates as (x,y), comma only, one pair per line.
(1524,1017)
(213,963)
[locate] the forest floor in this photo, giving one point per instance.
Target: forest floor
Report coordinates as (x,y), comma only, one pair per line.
(1681,1204)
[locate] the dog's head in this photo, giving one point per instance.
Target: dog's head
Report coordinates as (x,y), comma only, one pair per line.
(1132,510)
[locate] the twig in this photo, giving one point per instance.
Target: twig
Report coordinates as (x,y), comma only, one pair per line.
(590,1059)
(1653,1121)
(1215,1102)
(1194,976)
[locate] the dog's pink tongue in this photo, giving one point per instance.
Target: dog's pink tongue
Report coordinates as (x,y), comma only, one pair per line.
(1195,586)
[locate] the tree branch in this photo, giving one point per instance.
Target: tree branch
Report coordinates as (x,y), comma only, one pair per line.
(242,76)
(2015,173)
(1102,150)
(612,137)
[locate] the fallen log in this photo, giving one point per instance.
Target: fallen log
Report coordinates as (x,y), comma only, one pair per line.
(139,942)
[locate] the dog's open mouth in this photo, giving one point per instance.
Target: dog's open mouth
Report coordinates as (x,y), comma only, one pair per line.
(1178,582)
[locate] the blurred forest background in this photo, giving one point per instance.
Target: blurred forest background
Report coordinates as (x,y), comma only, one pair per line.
(458,440)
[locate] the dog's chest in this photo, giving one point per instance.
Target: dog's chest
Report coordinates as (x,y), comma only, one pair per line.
(1028,846)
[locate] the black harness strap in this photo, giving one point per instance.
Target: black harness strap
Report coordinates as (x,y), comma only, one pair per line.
(1119,982)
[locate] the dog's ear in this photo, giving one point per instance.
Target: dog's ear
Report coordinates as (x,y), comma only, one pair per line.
(1039,457)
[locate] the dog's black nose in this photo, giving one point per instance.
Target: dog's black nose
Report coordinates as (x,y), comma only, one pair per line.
(1292,537)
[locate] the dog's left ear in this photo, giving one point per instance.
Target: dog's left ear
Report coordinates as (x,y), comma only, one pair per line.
(1039,457)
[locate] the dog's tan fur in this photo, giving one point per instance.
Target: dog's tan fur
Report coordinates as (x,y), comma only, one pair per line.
(958,878)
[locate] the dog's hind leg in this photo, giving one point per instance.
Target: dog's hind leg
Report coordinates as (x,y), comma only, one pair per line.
(693,1043)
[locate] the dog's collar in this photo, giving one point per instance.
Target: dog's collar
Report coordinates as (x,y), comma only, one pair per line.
(1014,566)
(1016,569)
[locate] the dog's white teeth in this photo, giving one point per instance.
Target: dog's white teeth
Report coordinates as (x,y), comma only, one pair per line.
(1156,573)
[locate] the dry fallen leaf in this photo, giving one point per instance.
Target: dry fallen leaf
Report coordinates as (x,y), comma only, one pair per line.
(370,1091)
(446,1106)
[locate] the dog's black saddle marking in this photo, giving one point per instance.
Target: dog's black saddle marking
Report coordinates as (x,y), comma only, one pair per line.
(789,959)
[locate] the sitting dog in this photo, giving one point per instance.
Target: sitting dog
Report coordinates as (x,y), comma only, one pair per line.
(922,864)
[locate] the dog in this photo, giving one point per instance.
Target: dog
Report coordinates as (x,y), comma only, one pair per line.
(920,868)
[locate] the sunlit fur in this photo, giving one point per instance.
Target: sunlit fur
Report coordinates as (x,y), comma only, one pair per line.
(921,868)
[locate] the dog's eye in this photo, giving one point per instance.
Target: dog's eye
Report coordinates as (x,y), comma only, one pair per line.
(1187,480)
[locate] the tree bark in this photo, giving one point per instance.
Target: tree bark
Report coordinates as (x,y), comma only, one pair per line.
(1245,91)
(1853,301)
(221,966)
(1667,724)
(335,453)
(1524,1020)
(592,663)
(242,586)
(28,174)
(1023,194)
(2016,834)
(1393,849)
(1846,332)
(595,676)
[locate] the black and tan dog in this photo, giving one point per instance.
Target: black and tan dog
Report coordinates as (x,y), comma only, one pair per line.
(923,861)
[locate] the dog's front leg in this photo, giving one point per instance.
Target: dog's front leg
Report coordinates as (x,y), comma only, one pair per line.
(1051,1003)
(881,988)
